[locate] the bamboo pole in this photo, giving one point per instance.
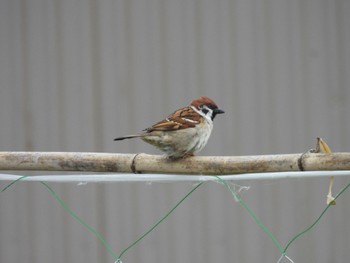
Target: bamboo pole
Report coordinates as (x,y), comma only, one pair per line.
(144,163)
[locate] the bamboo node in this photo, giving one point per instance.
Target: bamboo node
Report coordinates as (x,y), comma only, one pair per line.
(300,160)
(133,164)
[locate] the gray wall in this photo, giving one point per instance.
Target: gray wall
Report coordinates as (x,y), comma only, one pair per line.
(74,74)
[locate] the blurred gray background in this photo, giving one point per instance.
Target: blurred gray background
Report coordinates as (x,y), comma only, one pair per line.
(74,74)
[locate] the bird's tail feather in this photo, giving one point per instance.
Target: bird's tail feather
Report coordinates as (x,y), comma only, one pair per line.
(127,137)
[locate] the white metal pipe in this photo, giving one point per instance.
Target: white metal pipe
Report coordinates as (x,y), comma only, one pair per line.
(126,177)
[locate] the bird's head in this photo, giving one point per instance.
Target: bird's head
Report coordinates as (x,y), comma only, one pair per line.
(207,107)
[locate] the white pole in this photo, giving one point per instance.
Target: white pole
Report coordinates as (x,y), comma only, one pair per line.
(126,177)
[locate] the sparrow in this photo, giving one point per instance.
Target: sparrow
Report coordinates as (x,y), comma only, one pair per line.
(183,133)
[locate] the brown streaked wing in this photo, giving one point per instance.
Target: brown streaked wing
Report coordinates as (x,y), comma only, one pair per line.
(177,121)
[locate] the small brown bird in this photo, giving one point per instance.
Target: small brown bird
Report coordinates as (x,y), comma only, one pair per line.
(184,132)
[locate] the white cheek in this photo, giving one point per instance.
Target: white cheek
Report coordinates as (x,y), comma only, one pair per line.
(209,114)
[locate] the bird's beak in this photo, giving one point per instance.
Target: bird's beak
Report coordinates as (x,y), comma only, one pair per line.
(215,112)
(218,111)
